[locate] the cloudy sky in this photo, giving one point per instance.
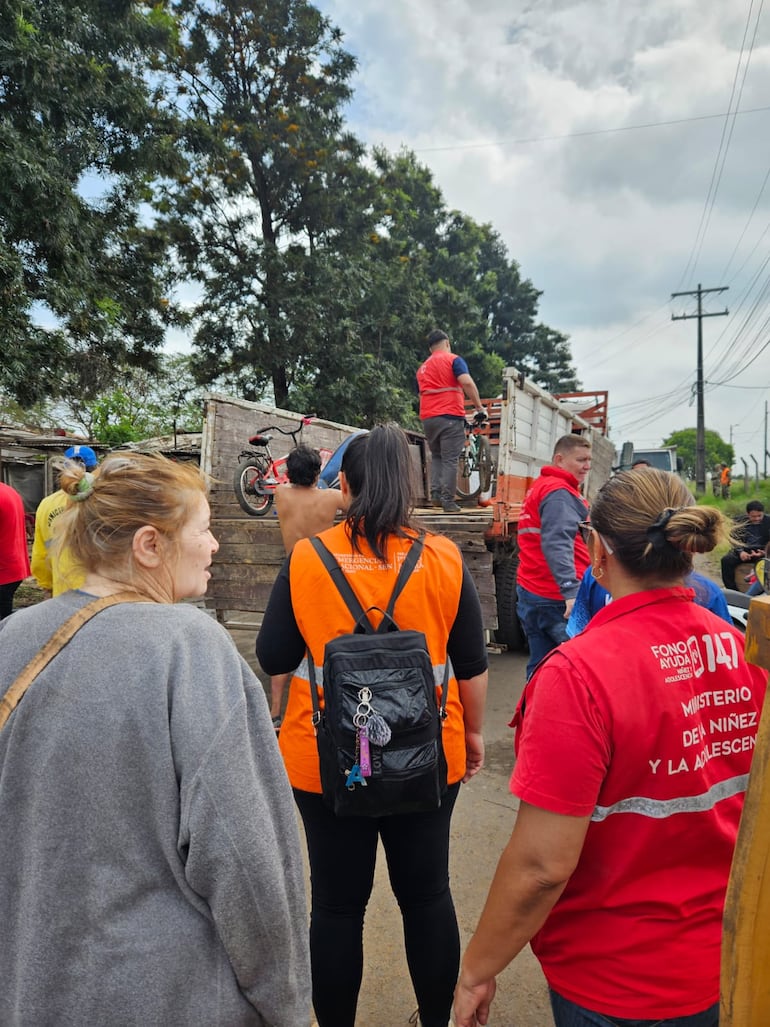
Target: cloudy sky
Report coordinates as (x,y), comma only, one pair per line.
(621,149)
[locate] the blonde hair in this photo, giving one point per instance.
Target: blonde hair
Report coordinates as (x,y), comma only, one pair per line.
(129,491)
(651,521)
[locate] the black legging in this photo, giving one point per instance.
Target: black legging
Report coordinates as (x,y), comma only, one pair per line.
(342,852)
(7,593)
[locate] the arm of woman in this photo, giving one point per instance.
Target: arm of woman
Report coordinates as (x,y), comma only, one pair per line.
(238,833)
(534,868)
(280,646)
(468,652)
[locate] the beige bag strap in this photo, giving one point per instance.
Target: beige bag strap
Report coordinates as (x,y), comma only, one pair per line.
(55,644)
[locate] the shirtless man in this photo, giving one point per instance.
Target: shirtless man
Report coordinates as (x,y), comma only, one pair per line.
(303,510)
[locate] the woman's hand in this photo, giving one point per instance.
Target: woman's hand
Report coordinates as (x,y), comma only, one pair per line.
(471,1004)
(474,753)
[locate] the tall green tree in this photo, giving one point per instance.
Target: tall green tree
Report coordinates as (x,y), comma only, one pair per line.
(276,189)
(80,138)
(717,450)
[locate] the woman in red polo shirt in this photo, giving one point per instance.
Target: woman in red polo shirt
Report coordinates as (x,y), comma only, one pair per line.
(634,743)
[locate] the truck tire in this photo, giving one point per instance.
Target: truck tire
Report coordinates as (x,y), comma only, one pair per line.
(509,631)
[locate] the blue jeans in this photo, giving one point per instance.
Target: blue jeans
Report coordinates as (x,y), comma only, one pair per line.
(543,622)
(569,1014)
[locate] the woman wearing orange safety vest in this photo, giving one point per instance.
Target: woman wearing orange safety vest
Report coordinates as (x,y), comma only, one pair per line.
(305,611)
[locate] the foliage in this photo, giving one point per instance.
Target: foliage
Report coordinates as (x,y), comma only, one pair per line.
(80,133)
(318,267)
(140,404)
(717,450)
(275,187)
(319,270)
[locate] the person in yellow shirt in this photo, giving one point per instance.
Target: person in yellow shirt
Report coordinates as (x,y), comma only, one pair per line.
(57,573)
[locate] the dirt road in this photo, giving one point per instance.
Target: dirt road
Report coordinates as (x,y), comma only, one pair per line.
(481,826)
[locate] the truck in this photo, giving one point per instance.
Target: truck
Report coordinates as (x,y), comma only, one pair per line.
(524,425)
(663,457)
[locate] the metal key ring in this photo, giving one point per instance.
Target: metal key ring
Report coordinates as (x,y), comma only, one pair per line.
(360,719)
(364,694)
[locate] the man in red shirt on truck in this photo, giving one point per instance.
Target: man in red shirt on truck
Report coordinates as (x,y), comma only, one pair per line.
(444,382)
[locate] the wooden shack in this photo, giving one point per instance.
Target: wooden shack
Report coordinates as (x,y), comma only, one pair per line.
(250,548)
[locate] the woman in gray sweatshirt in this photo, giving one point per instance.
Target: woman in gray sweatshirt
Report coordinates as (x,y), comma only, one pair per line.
(150,866)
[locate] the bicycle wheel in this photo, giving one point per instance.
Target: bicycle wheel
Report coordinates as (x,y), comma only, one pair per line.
(485,463)
(246,482)
(469,471)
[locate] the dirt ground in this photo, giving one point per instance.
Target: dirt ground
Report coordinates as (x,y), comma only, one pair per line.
(481,825)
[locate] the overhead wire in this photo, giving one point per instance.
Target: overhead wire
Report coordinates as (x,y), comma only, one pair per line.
(523,140)
(721,157)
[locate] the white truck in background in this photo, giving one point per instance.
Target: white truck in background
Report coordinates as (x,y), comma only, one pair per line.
(662,457)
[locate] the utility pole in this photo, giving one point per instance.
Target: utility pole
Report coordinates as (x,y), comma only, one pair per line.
(700,430)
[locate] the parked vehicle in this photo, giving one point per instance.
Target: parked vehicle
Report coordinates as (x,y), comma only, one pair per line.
(663,457)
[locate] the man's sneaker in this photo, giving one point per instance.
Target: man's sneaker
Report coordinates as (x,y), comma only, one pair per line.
(435,499)
(452,507)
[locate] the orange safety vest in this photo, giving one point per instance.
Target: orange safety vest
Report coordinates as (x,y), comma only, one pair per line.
(440,392)
(725,476)
(428,603)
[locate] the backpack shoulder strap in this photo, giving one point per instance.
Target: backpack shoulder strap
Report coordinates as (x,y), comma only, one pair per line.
(409,564)
(11,699)
(343,585)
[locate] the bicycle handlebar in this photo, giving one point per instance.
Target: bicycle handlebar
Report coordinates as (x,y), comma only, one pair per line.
(288,431)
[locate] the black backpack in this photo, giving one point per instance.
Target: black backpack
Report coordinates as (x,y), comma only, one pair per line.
(378,683)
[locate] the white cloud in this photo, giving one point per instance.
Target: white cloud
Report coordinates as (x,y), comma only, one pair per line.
(604,224)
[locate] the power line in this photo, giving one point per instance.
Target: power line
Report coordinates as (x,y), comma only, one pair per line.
(581,135)
(724,146)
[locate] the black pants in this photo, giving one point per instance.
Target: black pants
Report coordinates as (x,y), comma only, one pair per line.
(342,853)
(7,593)
(730,563)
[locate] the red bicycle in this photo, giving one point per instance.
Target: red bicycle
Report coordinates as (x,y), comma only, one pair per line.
(258,473)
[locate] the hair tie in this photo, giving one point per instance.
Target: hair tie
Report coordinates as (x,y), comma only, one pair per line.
(84,487)
(656,532)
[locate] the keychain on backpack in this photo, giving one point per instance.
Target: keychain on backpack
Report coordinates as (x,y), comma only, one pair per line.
(357,775)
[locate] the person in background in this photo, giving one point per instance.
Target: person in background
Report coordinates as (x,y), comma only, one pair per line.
(303,510)
(444,382)
(753,535)
(56,574)
(641,462)
(552,555)
(633,748)
(150,852)
(14,559)
(304,611)
(725,481)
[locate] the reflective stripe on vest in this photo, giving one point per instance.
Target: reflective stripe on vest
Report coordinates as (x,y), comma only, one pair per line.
(659,809)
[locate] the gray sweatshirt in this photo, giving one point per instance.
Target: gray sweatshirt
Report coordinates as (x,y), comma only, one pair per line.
(150,865)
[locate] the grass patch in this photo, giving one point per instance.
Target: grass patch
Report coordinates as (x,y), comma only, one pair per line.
(29,593)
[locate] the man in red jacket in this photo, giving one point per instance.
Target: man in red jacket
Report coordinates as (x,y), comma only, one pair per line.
(552,555)
(444,382)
